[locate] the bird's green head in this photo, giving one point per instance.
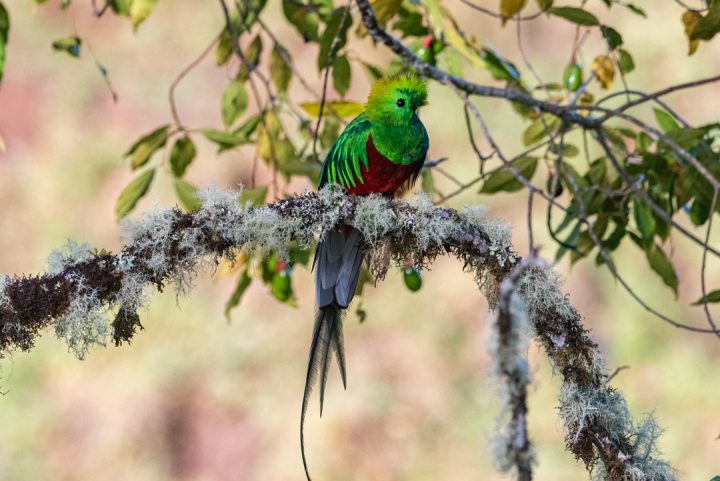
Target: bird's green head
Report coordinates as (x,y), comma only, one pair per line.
(395,100)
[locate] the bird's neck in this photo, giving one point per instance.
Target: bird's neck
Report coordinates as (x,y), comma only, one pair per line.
(399,143)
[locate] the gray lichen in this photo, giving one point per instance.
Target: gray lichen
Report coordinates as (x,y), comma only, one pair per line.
(71,253)
(85,322)
(511,371)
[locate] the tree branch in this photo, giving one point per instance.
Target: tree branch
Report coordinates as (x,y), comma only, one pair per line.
(82,289)
(427,70)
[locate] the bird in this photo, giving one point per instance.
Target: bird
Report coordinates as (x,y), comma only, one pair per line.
(380,151)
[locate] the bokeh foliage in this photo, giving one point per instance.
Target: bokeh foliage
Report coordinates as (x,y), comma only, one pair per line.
(629,185)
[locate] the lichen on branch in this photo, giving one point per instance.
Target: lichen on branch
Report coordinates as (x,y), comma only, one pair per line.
(92,296)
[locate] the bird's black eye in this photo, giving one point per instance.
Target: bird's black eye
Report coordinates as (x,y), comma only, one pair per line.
(400,103)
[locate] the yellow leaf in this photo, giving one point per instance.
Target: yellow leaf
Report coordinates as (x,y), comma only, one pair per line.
(510,8)
(342,109)
(386,9)
(140,10)
(690,20)
(604,69)
(265,145)
(229,267)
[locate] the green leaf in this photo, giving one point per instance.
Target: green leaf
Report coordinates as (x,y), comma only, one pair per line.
(544,4)
(699,211)
(330,132)
(224,139)
(140,10)
(575,15)
(660,263)
(143,149)
(252,58)
(248,12)
(187,195)
(503,179)
(546,124)
(709,25)
(131,194)
(410,23)
(644,141)
(224,48)
(666,121)
(612,37)
(635,9)
(302,18)
(70,45)
(341,75)
(234,102)
(625,61)
(334,37)
(181,155)
(256,196)
(566,150)
(342,109)
(294,167)
(644,220)
(499,67)
(279,69)
(242,284)
(373,73)
(4,31)
(228,140)
(121,7)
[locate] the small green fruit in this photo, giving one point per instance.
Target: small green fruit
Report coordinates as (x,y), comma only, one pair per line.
(572,77)
(281,286)
(412,278)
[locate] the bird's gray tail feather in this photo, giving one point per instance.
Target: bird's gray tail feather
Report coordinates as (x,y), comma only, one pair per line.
(338,260)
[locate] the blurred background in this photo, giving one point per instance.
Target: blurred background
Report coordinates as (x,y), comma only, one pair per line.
(197,398)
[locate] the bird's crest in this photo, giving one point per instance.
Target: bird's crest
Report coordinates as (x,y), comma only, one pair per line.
(413,86)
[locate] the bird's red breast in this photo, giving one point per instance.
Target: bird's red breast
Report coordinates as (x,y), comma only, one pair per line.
(381,175)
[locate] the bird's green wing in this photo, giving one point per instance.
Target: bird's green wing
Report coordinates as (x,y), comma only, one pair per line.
(342,164)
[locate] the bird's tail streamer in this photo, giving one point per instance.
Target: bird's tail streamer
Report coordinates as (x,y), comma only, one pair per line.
(338,261)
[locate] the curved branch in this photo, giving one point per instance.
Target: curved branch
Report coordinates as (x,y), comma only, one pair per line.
(171,247)
(427,70)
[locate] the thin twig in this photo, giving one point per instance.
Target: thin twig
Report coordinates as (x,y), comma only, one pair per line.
(180,77)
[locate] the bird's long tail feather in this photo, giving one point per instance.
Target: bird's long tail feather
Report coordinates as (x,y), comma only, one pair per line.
(327,335)
(337,261)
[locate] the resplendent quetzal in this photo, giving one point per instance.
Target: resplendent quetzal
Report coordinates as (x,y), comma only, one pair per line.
(380,151)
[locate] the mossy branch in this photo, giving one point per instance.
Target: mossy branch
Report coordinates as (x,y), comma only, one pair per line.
(83,290)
